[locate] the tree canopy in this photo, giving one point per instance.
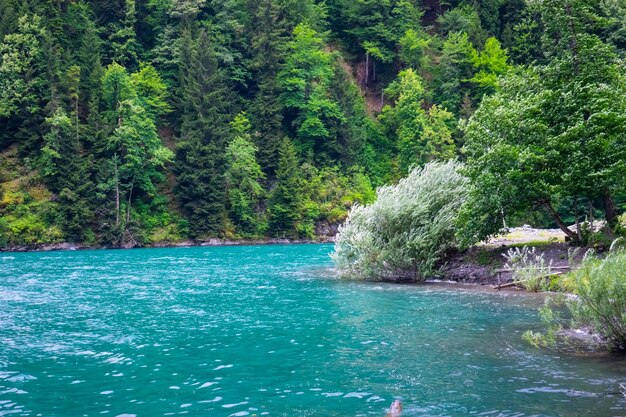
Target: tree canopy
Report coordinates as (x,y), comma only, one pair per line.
(126,123)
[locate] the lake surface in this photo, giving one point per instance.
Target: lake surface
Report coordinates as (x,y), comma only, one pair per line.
(243,331)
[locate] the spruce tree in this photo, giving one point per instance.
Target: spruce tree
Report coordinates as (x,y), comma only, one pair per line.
(243,174)
(205,105)
(124,42)
(63,166)
(268,46)
(25,87)
(287,199)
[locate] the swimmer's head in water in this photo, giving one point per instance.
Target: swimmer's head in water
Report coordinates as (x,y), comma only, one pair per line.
(396,408)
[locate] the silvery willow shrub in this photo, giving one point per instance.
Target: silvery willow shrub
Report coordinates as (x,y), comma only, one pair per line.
(530,269)
(407,230)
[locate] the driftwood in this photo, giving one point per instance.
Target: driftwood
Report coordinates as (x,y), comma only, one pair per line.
(499,273)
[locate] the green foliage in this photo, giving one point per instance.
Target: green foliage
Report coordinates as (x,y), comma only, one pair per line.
(374,27)
(28,217)
(93,93)
(407,231)
(462,19)
(530,269)
(21,54)
(205,106)
(490,63)
(422,136)
(124,40)
(265,111)
(287,197)
(414,49)
(243,176)
(600,300)
(454,69)
(550,132)
(151,91)
(305,80)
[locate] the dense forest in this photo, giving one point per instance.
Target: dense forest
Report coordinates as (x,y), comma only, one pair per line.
(130,122)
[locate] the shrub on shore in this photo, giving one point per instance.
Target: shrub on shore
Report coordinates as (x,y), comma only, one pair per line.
(407,230)
(598,304)
(530,269)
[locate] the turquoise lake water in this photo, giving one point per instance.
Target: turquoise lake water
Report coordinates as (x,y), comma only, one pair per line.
(243,331)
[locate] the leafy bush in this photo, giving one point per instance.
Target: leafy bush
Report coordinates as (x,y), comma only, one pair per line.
(598,304)
(28,216)
(407,230)
(621,225)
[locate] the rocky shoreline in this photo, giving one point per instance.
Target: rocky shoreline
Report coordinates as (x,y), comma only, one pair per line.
(165,244)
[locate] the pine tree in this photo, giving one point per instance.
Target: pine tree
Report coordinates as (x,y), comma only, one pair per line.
(25,89)
(205,106)
(243,174)
(64,168)
(305,81)
(268,46)
(124,42)
(454,70)
(88,59)
(10,13)
(287,199)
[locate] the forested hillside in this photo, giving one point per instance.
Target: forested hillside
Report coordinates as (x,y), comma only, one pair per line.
(129,122)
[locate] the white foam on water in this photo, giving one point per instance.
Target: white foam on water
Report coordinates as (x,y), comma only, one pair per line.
(235,404)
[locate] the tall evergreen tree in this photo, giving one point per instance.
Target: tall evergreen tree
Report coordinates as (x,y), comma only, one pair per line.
(124,44)
(287,199)
(243,174)
(268,45)
(205,106)
(305,80)
(66,173)
(25,87)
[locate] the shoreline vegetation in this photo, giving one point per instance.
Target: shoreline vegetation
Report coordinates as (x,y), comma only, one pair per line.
(417,229)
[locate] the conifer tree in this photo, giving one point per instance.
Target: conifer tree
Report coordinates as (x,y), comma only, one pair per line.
(205,105)
(305,81)
(243,174)
(89,60)
(24,83)
(454,70)
(287,199)
(124,42)
(268,46)
(64,168)
(10,13)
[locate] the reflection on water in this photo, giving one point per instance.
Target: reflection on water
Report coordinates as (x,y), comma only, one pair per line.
(243,331)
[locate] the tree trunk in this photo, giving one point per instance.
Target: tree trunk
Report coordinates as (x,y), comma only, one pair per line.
(117,195)
(373,71)
(572,235)
(573,44)
(130,196)
(367,68)
(77,120)
(578,231)
(609,209)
